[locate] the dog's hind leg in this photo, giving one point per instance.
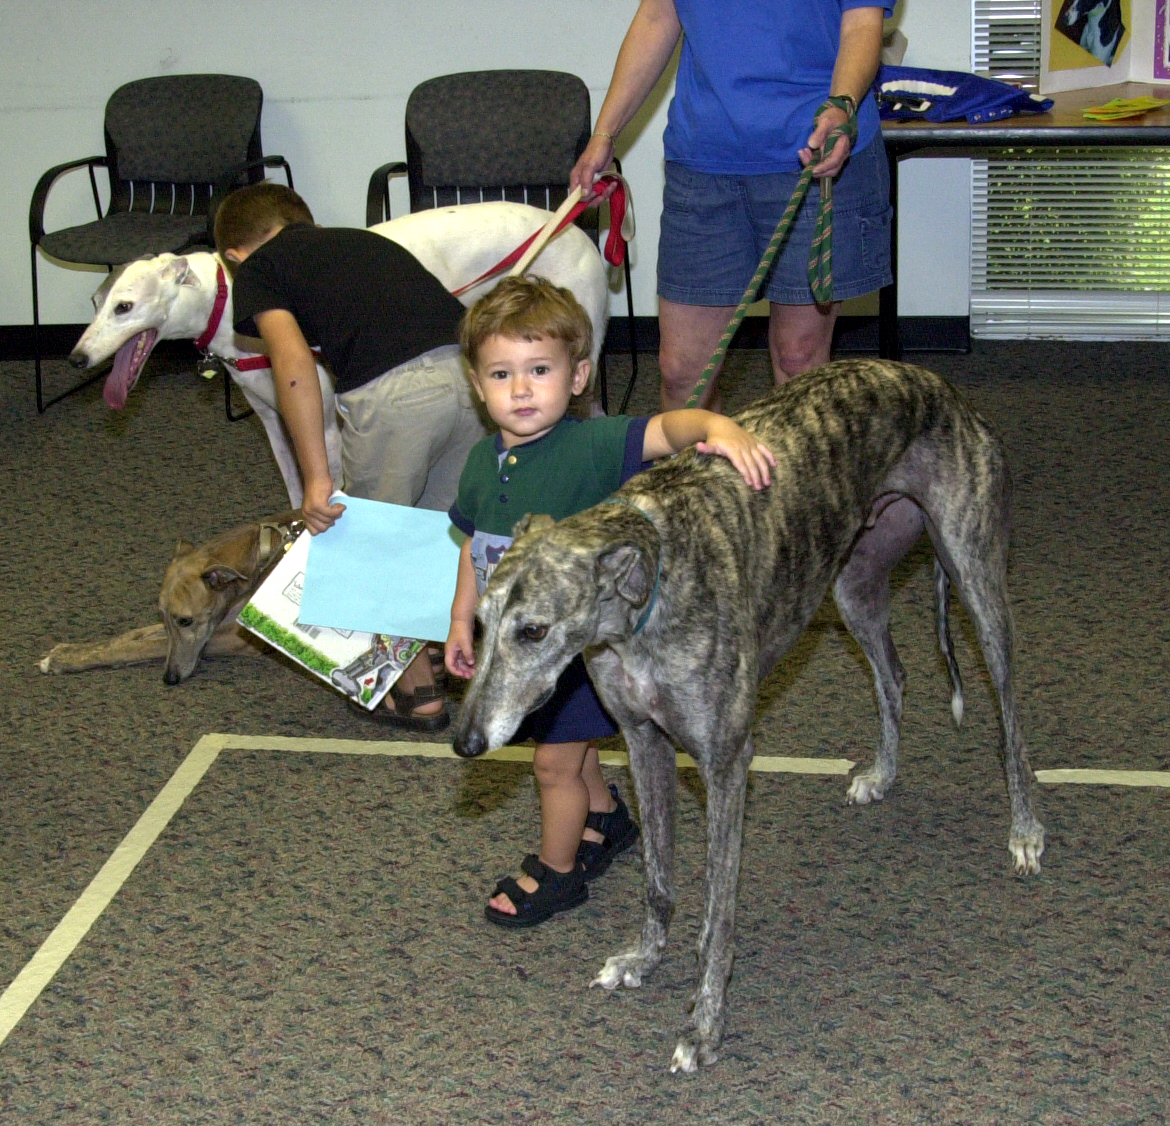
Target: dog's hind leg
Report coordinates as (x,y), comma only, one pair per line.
(652,763)
(862,594)
(726,787)
(981,580)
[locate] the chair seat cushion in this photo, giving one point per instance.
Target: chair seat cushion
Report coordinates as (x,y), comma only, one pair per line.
(124,236)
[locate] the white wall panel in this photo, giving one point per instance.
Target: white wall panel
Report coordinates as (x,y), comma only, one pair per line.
(336,77)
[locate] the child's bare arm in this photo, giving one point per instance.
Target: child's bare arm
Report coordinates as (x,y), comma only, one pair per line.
(459,652)
(711,434)
(298,394)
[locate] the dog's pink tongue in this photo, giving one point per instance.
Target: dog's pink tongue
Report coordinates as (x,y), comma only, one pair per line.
(127,367)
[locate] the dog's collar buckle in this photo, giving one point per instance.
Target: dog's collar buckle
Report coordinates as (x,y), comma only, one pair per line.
(289,533)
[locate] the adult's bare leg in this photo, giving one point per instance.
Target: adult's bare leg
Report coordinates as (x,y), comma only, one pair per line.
(800,337)
(688,336)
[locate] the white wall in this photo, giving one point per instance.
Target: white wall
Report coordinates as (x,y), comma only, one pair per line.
(934,194)
(336,77)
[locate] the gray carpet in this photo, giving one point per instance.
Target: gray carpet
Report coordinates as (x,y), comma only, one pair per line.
(305,942)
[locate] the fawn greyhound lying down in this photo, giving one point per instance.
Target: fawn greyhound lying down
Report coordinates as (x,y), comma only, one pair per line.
(203,590)
(686,587)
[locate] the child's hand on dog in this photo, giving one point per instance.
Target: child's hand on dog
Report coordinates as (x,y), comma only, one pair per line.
(749,455)
(459,652)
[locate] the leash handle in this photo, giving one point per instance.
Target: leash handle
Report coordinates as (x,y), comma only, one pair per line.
(614,247)
(545,233)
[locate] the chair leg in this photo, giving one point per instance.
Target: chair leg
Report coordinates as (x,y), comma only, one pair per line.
(633,337)
(37,334)
(227,401)
(43,404)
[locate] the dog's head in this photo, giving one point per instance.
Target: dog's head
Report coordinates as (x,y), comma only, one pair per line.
(202,585)
(560,589)
(132,310)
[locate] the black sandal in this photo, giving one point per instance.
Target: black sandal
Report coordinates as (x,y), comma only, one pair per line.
(558,891)
(618,829)
(403,716)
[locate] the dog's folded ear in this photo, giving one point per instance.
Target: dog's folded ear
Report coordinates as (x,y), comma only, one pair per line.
(178,270)
(530,523)
(221,576)
(629,571)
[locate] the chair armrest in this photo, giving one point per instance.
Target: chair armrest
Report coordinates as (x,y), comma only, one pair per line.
(378,192)
(36,209)
(229,183)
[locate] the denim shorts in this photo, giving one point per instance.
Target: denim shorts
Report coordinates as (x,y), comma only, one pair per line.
(715,230)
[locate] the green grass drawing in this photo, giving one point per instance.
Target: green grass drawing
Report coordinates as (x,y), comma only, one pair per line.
(286,640)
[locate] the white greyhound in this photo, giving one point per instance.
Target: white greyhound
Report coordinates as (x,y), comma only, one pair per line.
(172,297)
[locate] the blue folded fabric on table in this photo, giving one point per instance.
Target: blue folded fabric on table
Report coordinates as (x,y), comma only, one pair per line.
(383,568)
(911,93)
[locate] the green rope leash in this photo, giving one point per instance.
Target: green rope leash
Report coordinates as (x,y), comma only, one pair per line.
(820,261)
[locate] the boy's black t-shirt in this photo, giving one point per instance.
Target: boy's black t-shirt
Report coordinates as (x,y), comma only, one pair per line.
(365,301)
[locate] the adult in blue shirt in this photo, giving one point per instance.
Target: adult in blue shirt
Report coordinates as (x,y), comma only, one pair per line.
(742,125)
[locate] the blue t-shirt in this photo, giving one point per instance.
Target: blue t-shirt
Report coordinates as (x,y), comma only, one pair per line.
(750,79)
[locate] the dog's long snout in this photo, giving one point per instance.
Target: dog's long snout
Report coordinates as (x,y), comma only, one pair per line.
(469,744)
(79,359)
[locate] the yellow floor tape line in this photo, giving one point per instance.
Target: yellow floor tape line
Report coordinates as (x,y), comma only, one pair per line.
(26,987)
(53,952)
(1106,777)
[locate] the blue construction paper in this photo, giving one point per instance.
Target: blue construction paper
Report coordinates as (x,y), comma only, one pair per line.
(383,568)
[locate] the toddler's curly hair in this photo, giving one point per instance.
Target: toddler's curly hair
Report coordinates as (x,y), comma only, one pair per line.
(526,308)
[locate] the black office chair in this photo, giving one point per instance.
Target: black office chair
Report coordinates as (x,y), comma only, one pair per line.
(174,147)
(496,134)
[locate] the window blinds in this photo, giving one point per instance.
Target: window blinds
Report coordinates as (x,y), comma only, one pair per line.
(1071,243)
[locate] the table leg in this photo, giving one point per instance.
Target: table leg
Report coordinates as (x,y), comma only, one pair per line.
(889,338)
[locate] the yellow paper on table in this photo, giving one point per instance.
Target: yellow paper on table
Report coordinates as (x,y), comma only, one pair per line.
(1124,107)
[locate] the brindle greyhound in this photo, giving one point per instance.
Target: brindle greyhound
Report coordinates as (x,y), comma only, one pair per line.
(687,587)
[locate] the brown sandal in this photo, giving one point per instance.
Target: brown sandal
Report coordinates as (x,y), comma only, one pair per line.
(438,666)
(402,714)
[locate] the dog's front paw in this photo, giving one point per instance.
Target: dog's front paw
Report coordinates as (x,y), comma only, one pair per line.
(51,662)
(626,969)
(691,1051)
(1026,850)
(866,787)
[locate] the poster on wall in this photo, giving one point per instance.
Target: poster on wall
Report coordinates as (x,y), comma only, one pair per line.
(1092,27)
(1090,43)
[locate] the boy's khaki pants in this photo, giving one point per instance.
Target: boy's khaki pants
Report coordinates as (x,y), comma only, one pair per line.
(406,434)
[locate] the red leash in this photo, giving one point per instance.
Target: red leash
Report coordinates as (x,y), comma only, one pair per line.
(615,255)
(615,245)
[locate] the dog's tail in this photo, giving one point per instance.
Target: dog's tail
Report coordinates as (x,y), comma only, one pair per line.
(942,597)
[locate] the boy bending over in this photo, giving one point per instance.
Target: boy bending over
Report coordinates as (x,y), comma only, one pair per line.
(388,330)
(528,344)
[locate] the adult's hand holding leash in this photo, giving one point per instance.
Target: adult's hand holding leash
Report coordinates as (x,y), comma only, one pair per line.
(596,158)
(832,138)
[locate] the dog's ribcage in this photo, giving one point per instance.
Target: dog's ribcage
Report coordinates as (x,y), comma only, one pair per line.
(836,438)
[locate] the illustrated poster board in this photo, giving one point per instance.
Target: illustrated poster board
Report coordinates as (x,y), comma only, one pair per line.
(1090,43)
(361,666)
